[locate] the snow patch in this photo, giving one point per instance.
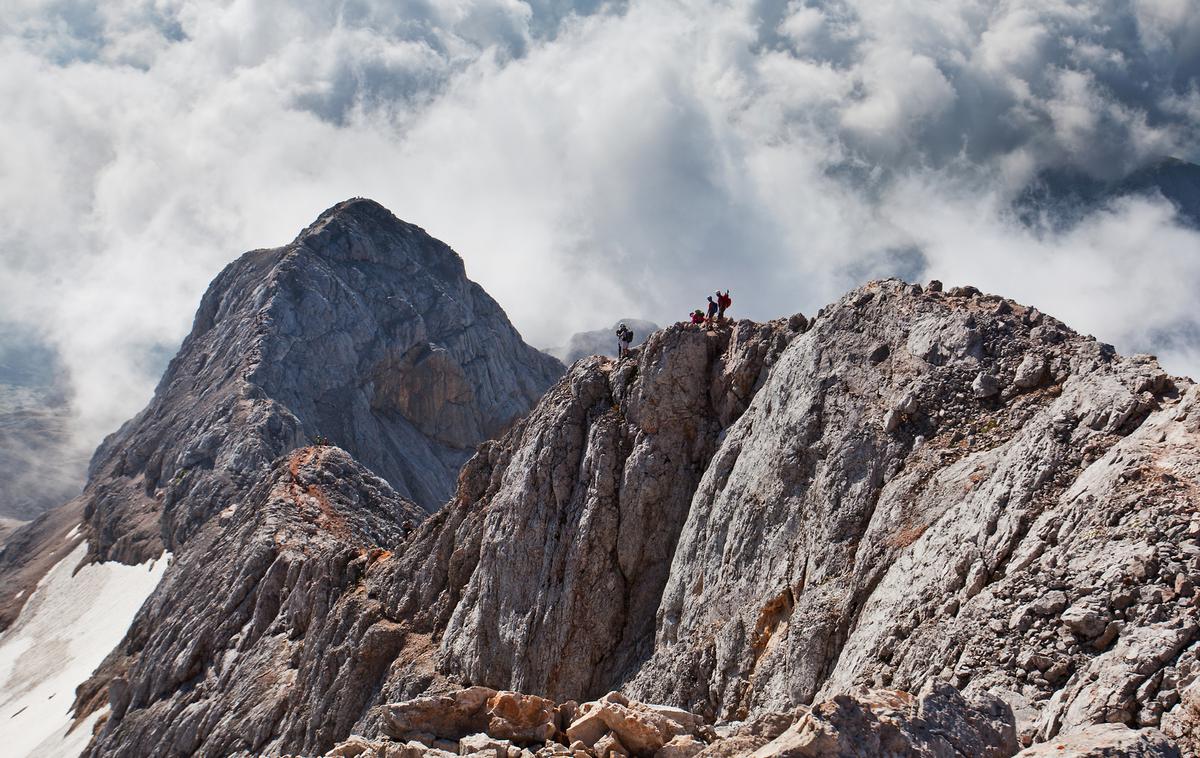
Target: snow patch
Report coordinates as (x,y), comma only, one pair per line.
(67,627)
(73,533)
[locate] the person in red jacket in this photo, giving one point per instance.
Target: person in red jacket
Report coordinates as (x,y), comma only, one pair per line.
(723,303)
(697,316)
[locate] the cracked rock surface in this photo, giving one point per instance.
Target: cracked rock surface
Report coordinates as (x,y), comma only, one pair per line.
(235,649)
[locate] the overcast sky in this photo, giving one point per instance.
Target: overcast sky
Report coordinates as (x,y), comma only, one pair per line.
(588,160)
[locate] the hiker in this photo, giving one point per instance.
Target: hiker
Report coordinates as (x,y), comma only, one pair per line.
(723,303)
(697,317)
(624,337)
(712,309)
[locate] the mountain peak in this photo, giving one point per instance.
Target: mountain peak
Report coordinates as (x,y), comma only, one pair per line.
(357,211)
(365,332)
(360,229)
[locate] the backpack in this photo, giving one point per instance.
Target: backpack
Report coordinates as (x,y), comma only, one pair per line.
(726,301)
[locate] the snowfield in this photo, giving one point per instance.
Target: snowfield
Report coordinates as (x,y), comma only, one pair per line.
(65,630)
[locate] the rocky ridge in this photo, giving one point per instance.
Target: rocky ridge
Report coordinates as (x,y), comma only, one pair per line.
(688,385)
(917,486)
(254,624)
(917,491)
(943,484)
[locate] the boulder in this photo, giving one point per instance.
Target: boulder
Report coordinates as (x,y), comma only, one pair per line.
(609,746)
(1105,741)
(451,716)
(985,385)
(681,721)
(589,726)
(681,746)
(1086,621)
(1030,371)
(484,744)
(352,747)
(1049,604)
(521,718)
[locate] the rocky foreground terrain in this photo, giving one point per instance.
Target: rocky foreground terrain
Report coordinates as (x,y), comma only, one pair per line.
(920,523)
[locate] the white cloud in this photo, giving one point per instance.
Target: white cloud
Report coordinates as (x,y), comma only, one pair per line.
(588,160)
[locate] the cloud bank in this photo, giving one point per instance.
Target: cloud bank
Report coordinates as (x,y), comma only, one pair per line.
(589,159)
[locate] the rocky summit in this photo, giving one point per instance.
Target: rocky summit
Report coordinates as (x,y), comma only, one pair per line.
(924,522)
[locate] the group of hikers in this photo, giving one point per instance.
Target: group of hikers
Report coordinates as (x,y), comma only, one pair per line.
(714,317)
(716,310)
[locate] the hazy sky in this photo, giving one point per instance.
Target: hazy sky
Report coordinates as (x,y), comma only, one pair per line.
(589,161)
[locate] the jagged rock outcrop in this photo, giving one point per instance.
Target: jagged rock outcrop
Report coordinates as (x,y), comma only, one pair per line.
(936,722)
(572,513)
(916,486)
(364,332)
(236,644)
(988,540)
(1106,741)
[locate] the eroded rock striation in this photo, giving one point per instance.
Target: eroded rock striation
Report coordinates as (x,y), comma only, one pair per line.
(238,641)
(879,523)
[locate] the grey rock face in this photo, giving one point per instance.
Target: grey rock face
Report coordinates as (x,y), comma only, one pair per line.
(823,551)
(237,643)
(745,521)
(597,487)
(559,539)
(601,341)
(364,331)
(939,722)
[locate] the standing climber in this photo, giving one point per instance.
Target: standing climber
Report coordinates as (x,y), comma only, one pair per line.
(624,337)
(723,303)
(712,310)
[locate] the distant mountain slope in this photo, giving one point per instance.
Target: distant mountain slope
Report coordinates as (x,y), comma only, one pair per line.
(1059,199)
(601,341)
